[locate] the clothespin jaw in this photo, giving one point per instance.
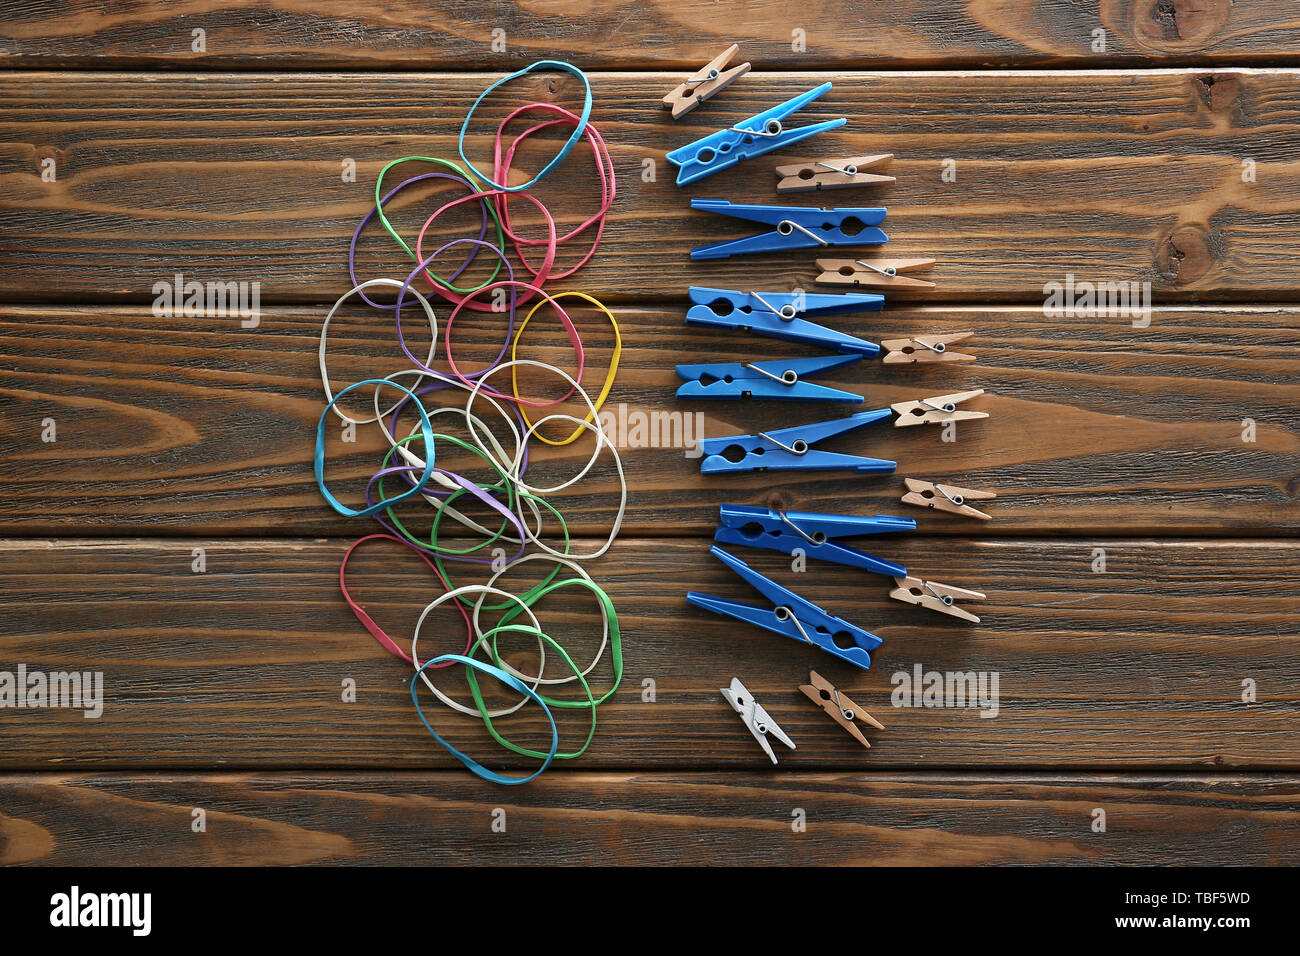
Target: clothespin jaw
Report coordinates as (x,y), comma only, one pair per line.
(842,710)
(794,227)
(761,133)
(810,532)
(756,718)
(882,273)
(790,449)
(790,615)
(926,349)
(935,596)
(782,379)
(946,498)
(838,173)
(775,314)
(938,408)
(712,78)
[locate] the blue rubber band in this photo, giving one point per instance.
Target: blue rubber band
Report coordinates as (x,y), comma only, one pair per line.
(564,150)
(426,430)
(510,681)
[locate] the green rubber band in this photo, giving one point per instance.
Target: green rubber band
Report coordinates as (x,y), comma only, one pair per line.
(442,568)
(501,486)
(483,709)
(615,637)
(459,171)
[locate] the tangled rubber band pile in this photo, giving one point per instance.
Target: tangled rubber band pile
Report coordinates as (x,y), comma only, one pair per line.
(409,470)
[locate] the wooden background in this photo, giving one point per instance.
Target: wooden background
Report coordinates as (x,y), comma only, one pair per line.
(1120,691)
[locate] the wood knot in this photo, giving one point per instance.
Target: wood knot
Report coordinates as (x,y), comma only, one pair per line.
(1179,26)
(1218,91)
(777,501)
(1185,254)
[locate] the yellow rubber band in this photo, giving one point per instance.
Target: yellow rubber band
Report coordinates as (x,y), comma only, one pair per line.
(604,388)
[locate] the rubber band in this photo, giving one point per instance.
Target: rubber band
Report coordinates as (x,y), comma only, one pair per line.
(452,595)
(378,211)
(526,515)
(490,775)
(486,211)
(604,167)
(377,632)
(475,378)
(487,717)
(405,286)
(609,376)
(540,275)
(466,485)
(576,135)
(319,458)
(609,619)
(591,425)
(324,330)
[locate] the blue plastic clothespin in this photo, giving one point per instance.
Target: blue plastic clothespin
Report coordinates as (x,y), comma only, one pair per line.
(789,449)
(810,532)
(751,137)
(776,314)
(782,379)
(790,615)
(794,227)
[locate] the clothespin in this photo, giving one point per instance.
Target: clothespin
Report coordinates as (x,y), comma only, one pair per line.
(751,137)
(782,379)
(790,615)
(790,449)
(946,498)
(939,408)
(810,532)
(794,227)
(935,596)
(874,272)
(775,314)
(926,349)
(844,712)
(811,174)
(758,720)
(710,79)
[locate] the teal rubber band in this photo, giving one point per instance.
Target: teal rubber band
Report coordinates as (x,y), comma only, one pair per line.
(426,430)
(572,141)
(489,775)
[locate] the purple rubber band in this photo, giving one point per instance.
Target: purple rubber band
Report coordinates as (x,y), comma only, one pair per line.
(374,211)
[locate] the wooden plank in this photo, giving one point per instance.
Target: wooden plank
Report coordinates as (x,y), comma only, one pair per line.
(662,34)
(647,819)
(1108,176)
(198,426)
(1143,666)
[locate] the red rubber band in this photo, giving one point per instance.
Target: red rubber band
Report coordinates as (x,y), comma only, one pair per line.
(540,275)
(574,337)
(377,632)
(604,167)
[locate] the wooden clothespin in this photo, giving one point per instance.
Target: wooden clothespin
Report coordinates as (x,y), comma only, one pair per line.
(713,78)
(874,272)
(935,596)
(946,498)
(926,349)
(844,712)
(938,408)
(809,174)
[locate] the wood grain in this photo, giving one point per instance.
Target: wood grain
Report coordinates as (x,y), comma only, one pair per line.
(661,34)
(661,819)
(1109,176)
(198,426)
(1140,667)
